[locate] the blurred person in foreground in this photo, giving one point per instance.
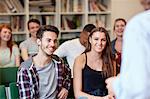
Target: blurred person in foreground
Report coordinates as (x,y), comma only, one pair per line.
(133,81)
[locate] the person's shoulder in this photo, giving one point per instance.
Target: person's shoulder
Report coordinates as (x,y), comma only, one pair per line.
(56,58)
(80,58)
(25,41)
(140,17)
(113,41)
(15,46)
(26,64)
(68,43)
(71,41)
(80,61)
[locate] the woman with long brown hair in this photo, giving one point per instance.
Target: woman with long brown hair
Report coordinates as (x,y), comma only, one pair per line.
(93,66)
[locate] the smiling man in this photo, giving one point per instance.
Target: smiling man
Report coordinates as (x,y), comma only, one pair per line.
(44,76)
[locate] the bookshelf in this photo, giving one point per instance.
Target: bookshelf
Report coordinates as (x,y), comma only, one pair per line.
(69,16)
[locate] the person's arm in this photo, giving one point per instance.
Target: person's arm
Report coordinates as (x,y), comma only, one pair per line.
(16,52)
(24,53)
(17,60)
(23,82)
(77,80)
(66,82)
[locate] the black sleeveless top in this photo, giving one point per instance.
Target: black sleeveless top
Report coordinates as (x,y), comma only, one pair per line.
(93,82)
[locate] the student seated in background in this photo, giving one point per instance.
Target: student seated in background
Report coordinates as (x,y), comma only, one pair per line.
(93,66)
(44,75)
(119,26)
(29,46)
(73,48)
(9,52)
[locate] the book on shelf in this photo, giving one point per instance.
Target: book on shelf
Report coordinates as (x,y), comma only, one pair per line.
(47,20)
(42,6)
(64,25)
(103,20)
(4,8)
(4,20)
(66,6)
(41,2)
(17,23)
(71,5)
(14,6)
(63,5)
(98,20)
(44,19)
(96,6)
(71,22)
(77,5)
(10,6)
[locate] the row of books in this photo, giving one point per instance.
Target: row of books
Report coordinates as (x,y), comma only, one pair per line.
(72,5)
(98,20)
(11,6)
(71,22)
(44,19)
(68,22)
(16,22)
(97,6)
(78,5)
(42,5)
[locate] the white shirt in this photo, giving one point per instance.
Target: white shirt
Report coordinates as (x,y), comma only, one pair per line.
(134,80)
(70,49)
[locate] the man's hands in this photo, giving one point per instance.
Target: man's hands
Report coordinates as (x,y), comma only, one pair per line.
(109,83)
(63,94)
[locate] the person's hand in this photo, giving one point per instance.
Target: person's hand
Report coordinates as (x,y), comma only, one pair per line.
(109,83)
(63,94)
(108,97)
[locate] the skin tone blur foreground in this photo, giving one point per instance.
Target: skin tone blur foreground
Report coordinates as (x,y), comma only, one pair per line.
(9,52)
(93,66)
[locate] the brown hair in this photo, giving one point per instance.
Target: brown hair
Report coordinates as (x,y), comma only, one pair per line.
(9,43)
(107,57)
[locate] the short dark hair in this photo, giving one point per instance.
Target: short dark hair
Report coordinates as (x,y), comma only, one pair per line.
(89,27)
(44,28)
(34,21)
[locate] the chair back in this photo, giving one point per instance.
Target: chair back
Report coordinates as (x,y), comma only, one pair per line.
(2,92)
(8,75)
(14,91)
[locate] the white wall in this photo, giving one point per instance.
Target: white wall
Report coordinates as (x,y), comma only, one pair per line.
(125,9)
